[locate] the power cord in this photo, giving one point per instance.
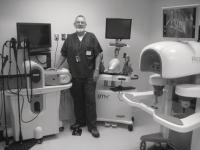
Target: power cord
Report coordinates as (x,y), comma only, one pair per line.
(25,72)
(1,113)
(55,58)
(22,106)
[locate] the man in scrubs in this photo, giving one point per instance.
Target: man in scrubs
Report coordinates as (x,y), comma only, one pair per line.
(83,52)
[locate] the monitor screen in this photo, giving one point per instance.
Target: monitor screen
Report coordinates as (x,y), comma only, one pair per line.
(38,35)
(117,28)
(179,22)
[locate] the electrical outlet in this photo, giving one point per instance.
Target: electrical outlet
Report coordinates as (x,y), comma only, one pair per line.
(63,36)
(56,37)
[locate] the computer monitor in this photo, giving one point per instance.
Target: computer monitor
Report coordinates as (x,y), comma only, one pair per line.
(118,28)
(37,34)
(179,22)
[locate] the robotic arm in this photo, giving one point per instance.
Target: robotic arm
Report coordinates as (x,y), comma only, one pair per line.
(170,60)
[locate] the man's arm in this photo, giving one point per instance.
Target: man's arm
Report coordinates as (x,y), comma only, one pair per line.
(98,61)
(61,61)
(97,64)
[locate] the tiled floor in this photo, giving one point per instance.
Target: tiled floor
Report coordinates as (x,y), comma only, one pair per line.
(118,138)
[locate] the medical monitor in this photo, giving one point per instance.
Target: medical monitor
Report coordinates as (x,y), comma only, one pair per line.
(179,22)
(118,28)
(38,35)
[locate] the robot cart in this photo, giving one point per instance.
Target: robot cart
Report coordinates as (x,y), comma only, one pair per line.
(112,110)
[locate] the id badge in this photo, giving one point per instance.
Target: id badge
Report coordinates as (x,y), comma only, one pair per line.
(78,59)
(88,53)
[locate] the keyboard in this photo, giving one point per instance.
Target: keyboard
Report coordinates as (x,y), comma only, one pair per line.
(122,88)
(108,73)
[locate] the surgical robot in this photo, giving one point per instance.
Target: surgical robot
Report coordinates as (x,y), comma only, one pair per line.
(110,108)
(37,115)
(171,62)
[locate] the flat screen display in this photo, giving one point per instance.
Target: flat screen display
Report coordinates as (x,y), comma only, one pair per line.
(118,28)
(38,35)
(179,22)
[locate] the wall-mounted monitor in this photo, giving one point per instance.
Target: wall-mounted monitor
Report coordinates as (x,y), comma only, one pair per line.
(179,22)
(38,35)
(118,28)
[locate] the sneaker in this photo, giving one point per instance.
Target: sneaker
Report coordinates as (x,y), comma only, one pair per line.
(77,125)
(94,132)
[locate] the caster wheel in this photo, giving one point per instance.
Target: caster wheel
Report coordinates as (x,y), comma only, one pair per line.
(130,127)
(143,145)
(39,141)
(61,129)
(133,119)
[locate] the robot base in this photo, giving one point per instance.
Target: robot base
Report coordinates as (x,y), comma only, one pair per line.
(115,123)
(112,110)
(40,116)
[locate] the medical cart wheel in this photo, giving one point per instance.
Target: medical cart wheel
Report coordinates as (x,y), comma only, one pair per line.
(40,141)
(61,129)
(130,127)
(143,145)
(133,119)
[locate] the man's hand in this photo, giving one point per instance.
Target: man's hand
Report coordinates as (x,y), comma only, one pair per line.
(96,75)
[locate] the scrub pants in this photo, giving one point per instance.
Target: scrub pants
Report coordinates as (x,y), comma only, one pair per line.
(83,93)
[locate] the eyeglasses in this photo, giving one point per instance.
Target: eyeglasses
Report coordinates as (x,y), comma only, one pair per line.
(80,23)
